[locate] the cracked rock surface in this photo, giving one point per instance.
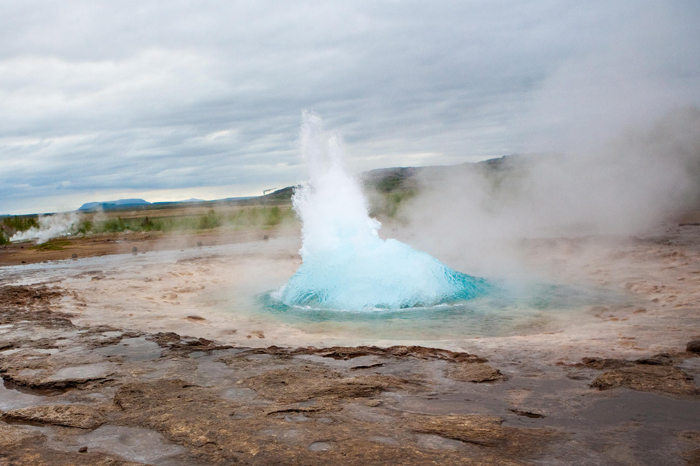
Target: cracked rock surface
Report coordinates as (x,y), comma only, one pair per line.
(155,382)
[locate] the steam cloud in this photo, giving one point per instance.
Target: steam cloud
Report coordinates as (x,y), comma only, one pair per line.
(50,226)
(625,188)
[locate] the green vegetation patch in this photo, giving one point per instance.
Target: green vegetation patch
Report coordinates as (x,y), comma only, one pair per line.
(52,245)
(265,217)
(389,204)
(246,217)
(209,220)
(20,223)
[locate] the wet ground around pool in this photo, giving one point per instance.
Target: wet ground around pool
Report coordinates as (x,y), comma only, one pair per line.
(225,292)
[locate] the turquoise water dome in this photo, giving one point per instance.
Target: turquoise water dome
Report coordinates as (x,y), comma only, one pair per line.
(346,265)
(384,275)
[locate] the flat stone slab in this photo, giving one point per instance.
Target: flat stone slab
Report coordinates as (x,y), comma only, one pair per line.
(14,436)
(657,379)
(475,372)
(80,374)
(80,416)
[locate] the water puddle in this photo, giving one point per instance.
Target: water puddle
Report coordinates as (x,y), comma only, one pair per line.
(38,392)
(632,406)
(133,350)
(508,310)
(239,394)
(11,398)
(384,440)
(131,443)
(321,446)
(82,373)
(435,442)
(289,436)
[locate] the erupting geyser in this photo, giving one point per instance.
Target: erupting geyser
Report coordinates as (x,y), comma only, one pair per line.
(346,265)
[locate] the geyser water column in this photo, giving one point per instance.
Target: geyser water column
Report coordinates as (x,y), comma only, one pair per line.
(346,265)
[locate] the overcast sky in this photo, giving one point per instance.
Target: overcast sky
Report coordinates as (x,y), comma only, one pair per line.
(169,100)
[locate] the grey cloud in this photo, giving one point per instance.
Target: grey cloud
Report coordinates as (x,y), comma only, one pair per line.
(127,95)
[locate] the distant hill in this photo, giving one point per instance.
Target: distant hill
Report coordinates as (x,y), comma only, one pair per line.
(119,204)
(127,204)
(385,180)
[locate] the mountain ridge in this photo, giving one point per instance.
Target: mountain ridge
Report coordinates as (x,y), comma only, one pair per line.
(382,179)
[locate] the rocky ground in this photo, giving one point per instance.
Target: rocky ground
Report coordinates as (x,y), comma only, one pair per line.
(80,390)
(105,395)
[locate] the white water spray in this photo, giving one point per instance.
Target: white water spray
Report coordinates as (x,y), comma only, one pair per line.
(346,265)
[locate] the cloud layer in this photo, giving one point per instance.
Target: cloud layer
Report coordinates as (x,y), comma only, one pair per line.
(182,99)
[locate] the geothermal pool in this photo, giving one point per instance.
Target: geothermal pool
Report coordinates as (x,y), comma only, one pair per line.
(231,286)
(507,310)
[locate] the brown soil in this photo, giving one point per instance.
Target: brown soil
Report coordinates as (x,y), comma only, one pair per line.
(124,243)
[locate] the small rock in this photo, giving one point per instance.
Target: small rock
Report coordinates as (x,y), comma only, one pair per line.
(476,429)
(693,346)
(74,256)
(604,363)
(82,450)
(661,359)
(321,446)
(474,372)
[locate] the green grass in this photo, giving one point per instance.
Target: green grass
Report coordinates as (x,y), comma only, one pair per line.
(209,221)
(52,245)
(391,203)
(265,217)
(114,225)
(254,217)
(390,183)
(19,223)
(85,227)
